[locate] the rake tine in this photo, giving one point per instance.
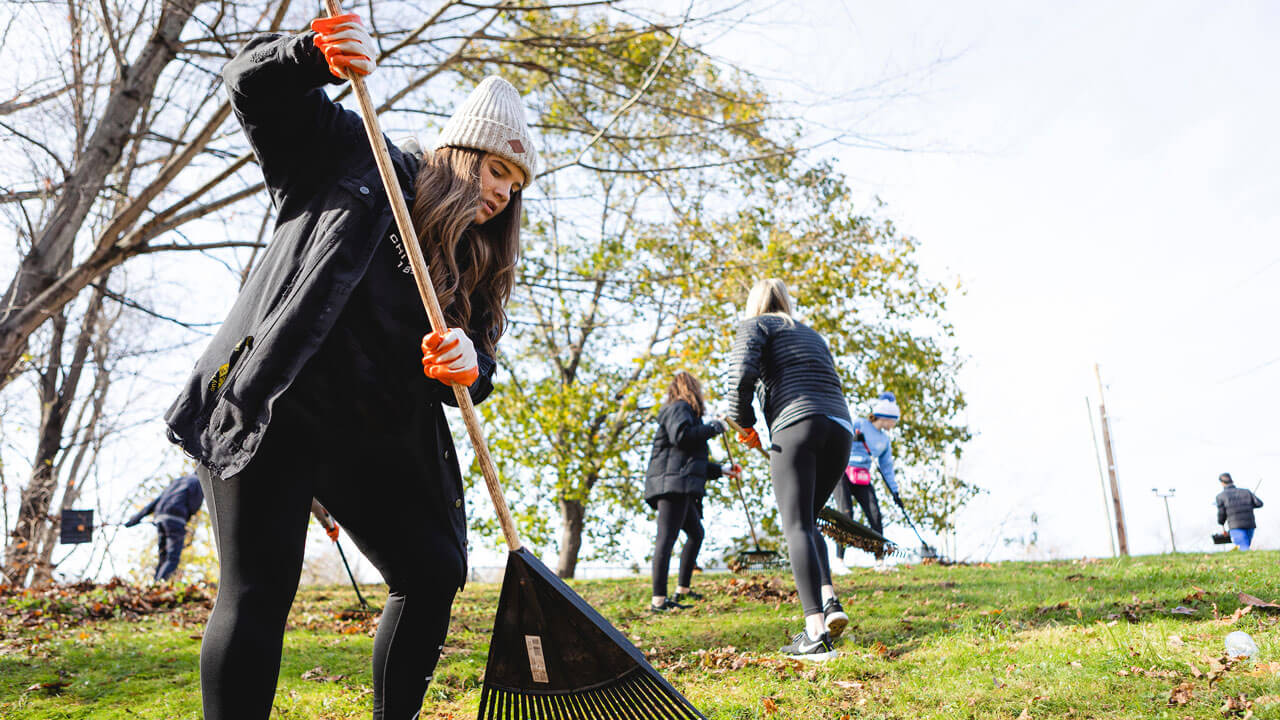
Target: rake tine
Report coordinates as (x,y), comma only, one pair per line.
(635,701)
(636,689)
(540,707)
(660,698)
(620,704)
(598,707)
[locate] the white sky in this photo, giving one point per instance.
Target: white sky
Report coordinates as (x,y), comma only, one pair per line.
(1100,177)
(1106,191)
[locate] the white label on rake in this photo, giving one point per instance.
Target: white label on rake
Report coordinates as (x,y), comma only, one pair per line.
(537,664)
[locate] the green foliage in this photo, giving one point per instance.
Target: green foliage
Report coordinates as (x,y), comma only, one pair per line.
(639,263)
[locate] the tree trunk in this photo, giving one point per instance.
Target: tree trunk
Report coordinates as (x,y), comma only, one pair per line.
(23,552)
(572,513)
(53,242)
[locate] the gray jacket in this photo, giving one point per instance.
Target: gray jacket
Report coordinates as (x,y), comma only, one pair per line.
(1235,506)
(794,368)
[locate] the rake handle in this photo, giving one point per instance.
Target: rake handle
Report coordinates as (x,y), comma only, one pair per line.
(733,425)
(428,292)
(737,486)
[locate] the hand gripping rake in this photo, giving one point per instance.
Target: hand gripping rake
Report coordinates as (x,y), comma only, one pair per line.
(551,654)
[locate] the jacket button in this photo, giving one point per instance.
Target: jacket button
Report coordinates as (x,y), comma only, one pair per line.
(448,454)
(457,503)
(364,190)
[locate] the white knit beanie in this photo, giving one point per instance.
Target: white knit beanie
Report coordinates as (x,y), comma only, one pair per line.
(492,119)
(885,406)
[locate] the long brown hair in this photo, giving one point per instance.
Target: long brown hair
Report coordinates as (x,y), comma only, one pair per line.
(686,387)
(473,267)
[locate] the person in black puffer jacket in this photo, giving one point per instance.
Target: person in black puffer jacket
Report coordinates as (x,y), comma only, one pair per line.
(1235,507)
(679,467)
(810,432)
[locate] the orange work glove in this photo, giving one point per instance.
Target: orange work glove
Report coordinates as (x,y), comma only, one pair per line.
(346,44)
(734,471)
(748,437)
(332,532)
(450,357)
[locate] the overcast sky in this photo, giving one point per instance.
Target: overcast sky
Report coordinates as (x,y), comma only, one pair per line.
(1101,178)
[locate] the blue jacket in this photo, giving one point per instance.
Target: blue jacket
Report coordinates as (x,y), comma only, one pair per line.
(181,499)
(877,447)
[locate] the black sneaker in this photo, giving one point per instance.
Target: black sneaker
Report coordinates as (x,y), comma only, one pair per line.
(834,617)
(803,648)
(666,606)
(691,595)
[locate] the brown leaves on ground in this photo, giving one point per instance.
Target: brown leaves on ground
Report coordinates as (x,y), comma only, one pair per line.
(1182,694)
(1258,602)
(318,674)
(352,621)
(86,600)
(1237,706)
(727,659)
(760,589)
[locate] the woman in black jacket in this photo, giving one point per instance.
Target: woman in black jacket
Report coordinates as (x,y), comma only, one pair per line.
(679,467)
(314,387)
(810,432)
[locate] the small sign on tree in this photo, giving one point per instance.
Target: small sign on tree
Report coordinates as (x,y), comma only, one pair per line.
(77,527)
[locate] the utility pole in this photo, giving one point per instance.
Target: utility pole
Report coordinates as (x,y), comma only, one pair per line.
(1121,539)
(1168,516)
(1102,480)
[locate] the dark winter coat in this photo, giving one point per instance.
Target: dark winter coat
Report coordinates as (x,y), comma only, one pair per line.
(794,367)
(679,460)
(331,213)
(1235,506)
(176,504)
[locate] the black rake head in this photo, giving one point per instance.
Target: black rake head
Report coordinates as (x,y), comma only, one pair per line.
(553,657)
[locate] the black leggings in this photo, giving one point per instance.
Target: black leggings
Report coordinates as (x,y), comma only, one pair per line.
(806,460)
(846,492)
(260,526)
(676,513)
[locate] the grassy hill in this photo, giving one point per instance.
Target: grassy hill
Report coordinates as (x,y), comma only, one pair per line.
(1139,638)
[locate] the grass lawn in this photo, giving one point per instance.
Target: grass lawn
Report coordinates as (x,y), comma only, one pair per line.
(1140,638)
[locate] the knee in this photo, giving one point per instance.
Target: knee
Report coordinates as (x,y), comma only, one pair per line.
(436,573)
(695,534)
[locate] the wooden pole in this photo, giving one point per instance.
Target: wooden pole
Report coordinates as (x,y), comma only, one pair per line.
(421,275)
(1121,538)
(1102,479)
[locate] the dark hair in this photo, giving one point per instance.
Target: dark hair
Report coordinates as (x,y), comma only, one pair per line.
(472,266)
(1226,478)
(686,387)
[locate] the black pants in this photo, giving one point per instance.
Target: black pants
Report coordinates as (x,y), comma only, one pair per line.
(260,524)
(846,492)
(806,460)
(676,513)
(172,538)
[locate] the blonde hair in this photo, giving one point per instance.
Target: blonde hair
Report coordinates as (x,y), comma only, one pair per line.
(684,386)
(472,266)
(770,297)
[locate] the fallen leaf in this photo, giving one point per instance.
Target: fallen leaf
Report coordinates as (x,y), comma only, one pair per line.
(50,687)
(1182,694)
(1183,610)
(1238,706)
(1196,594)
(1266,669)
(1258,602)
(1176,641)
(770,707)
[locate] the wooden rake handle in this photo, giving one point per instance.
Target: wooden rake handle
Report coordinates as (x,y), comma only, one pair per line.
(420,275)
(737,429)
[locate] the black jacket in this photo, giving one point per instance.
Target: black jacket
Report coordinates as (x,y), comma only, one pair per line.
(793,364)
(331,214)
(1235,506)
(180,500)
(679,460)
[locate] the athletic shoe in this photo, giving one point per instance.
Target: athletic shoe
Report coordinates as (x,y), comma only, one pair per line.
(834,617)
(803,648)
(691,595)
(666,606)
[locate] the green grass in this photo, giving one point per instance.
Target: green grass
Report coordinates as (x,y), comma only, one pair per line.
(1033,640)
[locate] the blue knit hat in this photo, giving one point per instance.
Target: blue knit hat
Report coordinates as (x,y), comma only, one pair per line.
(886,406)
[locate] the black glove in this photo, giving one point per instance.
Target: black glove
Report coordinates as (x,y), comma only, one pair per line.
(897,499)
(716,426)
(131,522)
